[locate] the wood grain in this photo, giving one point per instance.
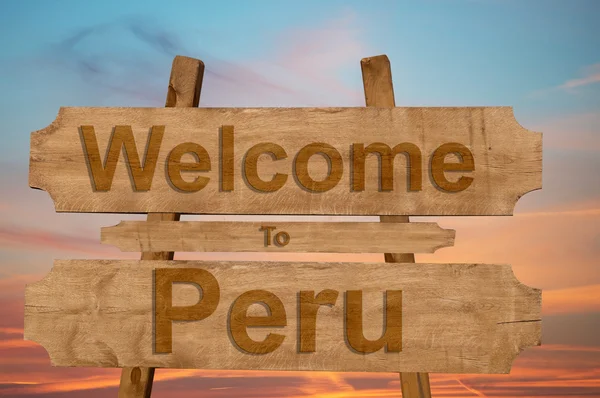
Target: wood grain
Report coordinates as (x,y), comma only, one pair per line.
(507,160)
(415,385)
(303,237)
(379,91)
(456,318)
(185,84)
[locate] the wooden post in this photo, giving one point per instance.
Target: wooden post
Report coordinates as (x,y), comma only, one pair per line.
(379,92)
(184,89)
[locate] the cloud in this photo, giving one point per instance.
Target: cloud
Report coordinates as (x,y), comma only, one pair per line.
(15,238)
(579,131)
(579,329)
(127,59)
(591,75)
(333,44)
(88,54)
(557,371)
(572,300)
(299,67)
(13,285)
(46,239)
(161,40)
(555,249)
(318,54)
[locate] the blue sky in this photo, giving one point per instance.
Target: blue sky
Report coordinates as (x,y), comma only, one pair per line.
(443,52)
(540,56)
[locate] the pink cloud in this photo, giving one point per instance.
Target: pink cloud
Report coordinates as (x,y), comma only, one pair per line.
(549,250)
(40,240)
(13,285)
(575,131)
(45,239)
(310,60)
(335,44)
(591,75)
(571,300)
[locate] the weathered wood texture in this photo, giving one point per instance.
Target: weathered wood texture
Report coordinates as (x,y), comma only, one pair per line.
(379,91)
(415,385)
(311,237)
(507,160)
(185,84)
(456,318)
(136,382)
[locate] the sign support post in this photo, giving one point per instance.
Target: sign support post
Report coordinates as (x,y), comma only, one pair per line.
(185,85)
(379,92)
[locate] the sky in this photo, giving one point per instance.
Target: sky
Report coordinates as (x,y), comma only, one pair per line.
(540,56)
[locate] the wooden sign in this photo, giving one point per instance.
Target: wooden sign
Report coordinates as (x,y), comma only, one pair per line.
(451,318)
(344,161)
(314,237)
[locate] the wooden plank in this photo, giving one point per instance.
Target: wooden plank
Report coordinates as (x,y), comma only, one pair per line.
(507,160)
(300,237)
(379,91)
(454,318)
(185,84)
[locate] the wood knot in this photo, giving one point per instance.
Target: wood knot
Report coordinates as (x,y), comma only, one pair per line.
(136,375)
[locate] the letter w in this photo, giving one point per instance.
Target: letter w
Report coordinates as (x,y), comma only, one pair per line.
(123,137)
